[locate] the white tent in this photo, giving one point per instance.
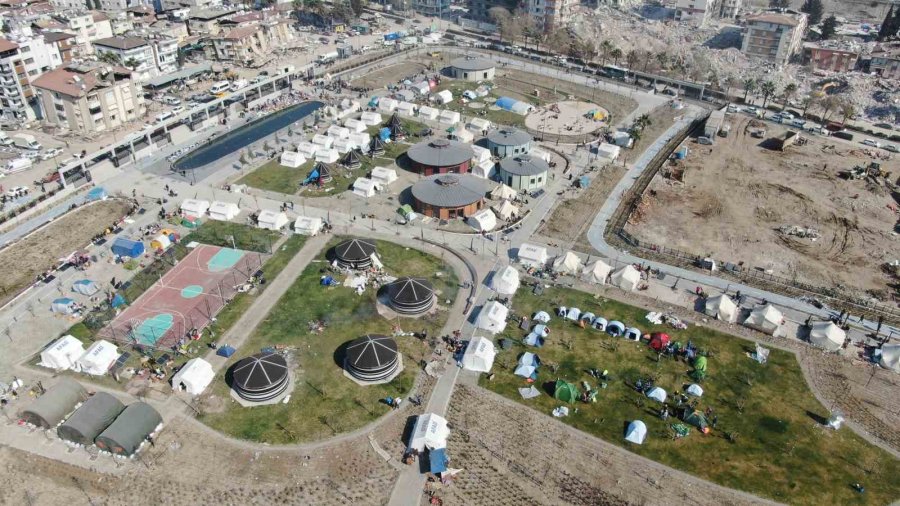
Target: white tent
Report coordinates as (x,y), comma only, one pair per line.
(622,139)
(271,220)
(223,211)
(307,225)
(292,159)
(478,125)
(338,132)
(344,145)
(636,432)
(98,358)
(657,394)
(360,139)
(326,155)
(608,152)
(506,210)
(194,207)
(694,389)
(160,242)
(406,108)
(323,141)
(62,354)
(383,175)
(365,187)
(766,319)
(194,376)
(426,112)
(486,169)
(597,272)
(626,278)
(430,432)
(890,357)
(539,153)
(542,316)
(481,154)
(371,118)
(348,106)
(462,135)
(387,104)
(479,356)
(354,126)
(568,263)
(532,255)
(827,335)
(722,308)
(505,281)
(448,117)
(503,192)
(421,87)
(492,317)
(307,149)
(443,97)
(63,305)
(482,221)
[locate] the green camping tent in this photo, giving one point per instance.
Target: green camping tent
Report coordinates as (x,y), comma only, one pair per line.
(699,368)
(565,391)
(697,419)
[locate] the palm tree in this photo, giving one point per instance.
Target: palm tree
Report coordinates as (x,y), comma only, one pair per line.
(615,54)
(132,63)
(642,122)
(789,91)
(605,48)
(768,90)
(110,57)
(749,87)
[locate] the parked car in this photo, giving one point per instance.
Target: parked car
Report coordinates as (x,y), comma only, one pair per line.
(170,100)
(178,109)
(886,126)
(872,142)
(50,153)
(892,148)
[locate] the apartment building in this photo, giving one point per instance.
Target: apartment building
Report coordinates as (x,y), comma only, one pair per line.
(206,22)
(168,5)
(774,36)
(69,5)
(87,27)
(832,56)
(249,43)
(694,12)
(15,90)
(885,61)
(433,8)
(63,42)
(729,9)
(551,14)
(117,5)
(89,98)
(147,56)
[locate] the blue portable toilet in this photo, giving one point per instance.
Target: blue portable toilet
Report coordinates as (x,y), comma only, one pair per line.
(225,351)
(125,247)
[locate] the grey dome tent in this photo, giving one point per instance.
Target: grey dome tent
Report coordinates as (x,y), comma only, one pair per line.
(57,402)
(93,417)
(354,253)
(129,430)
(411,296)
(260,378)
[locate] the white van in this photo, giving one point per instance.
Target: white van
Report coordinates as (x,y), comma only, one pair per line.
(239,84)
(220,88)
(163,117)
(18,165)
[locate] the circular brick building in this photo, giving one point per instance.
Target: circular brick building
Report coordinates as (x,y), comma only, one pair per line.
(440,156)
(446,196)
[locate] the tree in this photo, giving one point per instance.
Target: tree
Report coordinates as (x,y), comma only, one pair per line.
(605,48)
(815,10)
(615,54)
(828,104)
(632,58)
(663,60)
(848,110)
(829,27)
(779,4)
(647,56)
(749,87)
(559,41)
(132,63)
(509,26)
(357,7)
(809,101)
(768,91)
(789,90)
(109,57)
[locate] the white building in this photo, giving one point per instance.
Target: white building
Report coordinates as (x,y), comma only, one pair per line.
(135,53)
(87,27)
(695,12)
(23,57)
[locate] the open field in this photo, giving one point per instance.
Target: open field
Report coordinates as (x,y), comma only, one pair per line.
(778,447)
(39,251)
(324,402)
(388,75)
(737,194)
(274,177)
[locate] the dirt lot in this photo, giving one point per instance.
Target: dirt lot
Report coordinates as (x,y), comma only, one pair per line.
(24,260)
(737,195)
(388,75)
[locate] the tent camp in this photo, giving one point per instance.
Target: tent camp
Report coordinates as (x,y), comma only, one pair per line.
(371,118)
(503,192)
(327,155)
(58,401)
(657,394)
(383,176)
(194,207)
(338,132)
(291,159)
(890,357)
(194,376)
(365,187)
(443,97)
(63,305)
(827,335)
(223,211)
(85,287)
(627,278)
(483,220)
(567,263)
(492,317)
(307,225)
(62,353)
(481,154)
(130,429)
(307,149)
(344,145)
(271,220)
(721,307)
(387,104)
(355,126)
(479,355)
(506,210)
(422,87)
(429,113)
(90,419)
(513,105)
(597,272)
(98,358)
(448,117)
(565,391)
(361,140)
(636,432)
(431,431)
(532,255)
(505,281)
(323,141)
(766,319)
(125,247)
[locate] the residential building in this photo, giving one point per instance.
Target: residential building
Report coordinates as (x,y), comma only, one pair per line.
(165,54)
(177,31)
(433,8)
(116,5)
(833,56)
(249,43)
(87,27)
(64,43)
(206,22)
(729,9)
(89,98)
(774,36)
(694,12)
(551,14)
(147,57)
(885,61)
(168,5)
(120,23)
(15,91)
(69,5)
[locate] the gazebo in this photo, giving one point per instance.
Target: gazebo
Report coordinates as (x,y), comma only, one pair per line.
(355,253)
(351,160)
(372,359)
(261,377)
(411,296)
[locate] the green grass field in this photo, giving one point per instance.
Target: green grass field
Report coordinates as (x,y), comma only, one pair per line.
(500,117)
(272,176)
(325,402)
(780,448)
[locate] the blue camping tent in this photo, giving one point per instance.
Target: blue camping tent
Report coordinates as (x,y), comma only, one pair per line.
(117,301)
(437,460)
(97,193)
(225,351)
(125,247)
(505,103)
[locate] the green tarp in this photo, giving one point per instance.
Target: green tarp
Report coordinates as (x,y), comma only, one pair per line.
(565,391)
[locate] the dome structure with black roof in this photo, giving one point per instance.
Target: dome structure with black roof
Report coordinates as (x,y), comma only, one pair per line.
(440,156)
(372,358)
(260,378)
(355,253)
(411,296)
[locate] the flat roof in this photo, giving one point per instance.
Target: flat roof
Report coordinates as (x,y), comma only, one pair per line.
(450,190)
(440,153)
(508,136)
(774,18)
(185,73)
(472,63)
(524,165)
(121,42)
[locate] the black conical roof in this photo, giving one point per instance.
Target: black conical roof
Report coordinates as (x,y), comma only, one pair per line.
(372,353)
(410,291)
(351,159)
(260,372)
(353,250)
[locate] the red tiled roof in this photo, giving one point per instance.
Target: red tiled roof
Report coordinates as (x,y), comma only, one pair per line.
(63,80)
(6,45)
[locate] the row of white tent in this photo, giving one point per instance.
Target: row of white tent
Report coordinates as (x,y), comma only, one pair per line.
(443,116)
(485,219)
(379,179)
(627,277)
(218,210)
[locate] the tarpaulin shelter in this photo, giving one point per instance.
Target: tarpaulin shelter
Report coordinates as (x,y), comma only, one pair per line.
(57,402)
(63,305)
(406,212)
(627,278)
(97,193)
(537,335)
(190,221)
(697,419)
(125,247)
(615,328)
(827,335)
(597,272)
(657,394)
(437,460)
(373,102)
(307,225)
(98,358)
(160,242)
(117,301)
(194,207)
(479,355)
(890,357)
(699,367)
(85,287)
(194,376)
(483,220)
(659,341)
(492,317)
(722,308)
(766,319)
(567,263)
(532,255)
(541,316)
(636,432)
(384,134)
(573,314)
(600,323)
(565,391)
(430,431)
(130,429)
(223,211)
(527,365)
(90,419)
(505,281)
(62,353)
(513,105)
(320,175)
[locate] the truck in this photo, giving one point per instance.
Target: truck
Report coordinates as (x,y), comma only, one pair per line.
(714,124)
(239,84)
(27,141)
(328,57)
